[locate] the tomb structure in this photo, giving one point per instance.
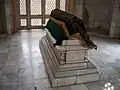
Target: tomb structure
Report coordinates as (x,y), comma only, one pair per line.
(66,59)
(67,64)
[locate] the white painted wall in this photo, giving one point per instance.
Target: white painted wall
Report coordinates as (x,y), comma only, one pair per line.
(100,13)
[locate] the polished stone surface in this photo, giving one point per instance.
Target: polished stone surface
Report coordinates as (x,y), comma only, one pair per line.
(22,67)
(63,74)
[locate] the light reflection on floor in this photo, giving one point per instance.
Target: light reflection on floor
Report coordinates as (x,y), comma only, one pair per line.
(108,86)
(22,67)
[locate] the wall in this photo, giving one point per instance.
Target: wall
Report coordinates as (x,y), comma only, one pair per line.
(15,15)
(99,13)
(8,12)
(71,6)
(115,24)
(79,8)
(1,31)
(2,18)
(5,17)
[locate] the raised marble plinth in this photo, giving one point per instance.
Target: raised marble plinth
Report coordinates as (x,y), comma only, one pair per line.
(66,64)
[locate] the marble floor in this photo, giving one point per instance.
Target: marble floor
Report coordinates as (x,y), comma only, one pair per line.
(22,67)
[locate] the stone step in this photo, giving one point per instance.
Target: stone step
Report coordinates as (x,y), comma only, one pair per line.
(77,61)
(75,66)
(68,67)
(74,61)
(51,53)
(70,48)
(50,69)
(78,72)
(72,42)
(75,80)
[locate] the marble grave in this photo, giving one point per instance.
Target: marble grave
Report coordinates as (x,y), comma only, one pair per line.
(67,64)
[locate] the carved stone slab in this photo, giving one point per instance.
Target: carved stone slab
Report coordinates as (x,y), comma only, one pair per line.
(74,70)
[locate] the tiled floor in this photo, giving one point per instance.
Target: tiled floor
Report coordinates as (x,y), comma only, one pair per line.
(22,67)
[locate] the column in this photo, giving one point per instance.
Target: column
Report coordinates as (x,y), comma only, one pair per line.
(79,8)
(115,24)
(8,15)
(72,6)
(2,18)
(15,15)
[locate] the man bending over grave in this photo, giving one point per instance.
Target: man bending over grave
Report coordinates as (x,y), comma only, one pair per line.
(70,25)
